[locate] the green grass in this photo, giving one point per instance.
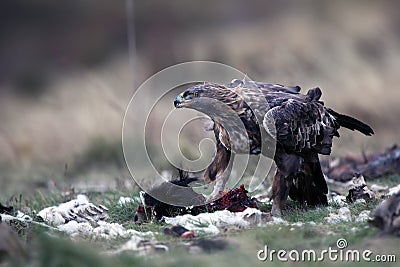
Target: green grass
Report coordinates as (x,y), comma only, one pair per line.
(51,248)
(299,214)
(390,180)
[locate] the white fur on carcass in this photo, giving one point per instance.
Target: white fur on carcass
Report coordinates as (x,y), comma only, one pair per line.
(210,223)
(79,217)
(79,209)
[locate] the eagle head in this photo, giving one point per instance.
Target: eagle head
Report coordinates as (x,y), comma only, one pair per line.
(194,96)
(189,97)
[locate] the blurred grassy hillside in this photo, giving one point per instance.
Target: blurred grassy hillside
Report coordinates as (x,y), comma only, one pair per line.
(68,70)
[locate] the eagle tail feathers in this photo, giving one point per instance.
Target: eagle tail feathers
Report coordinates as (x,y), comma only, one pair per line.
(351,123)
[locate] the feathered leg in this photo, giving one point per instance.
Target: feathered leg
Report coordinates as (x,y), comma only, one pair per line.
(309,185)
(219,171)
(317,187)
(288,166)
(280,191)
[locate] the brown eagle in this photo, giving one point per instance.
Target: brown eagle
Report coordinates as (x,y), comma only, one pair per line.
(251,117)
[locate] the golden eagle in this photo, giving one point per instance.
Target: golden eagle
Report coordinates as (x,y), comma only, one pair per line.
(249,115)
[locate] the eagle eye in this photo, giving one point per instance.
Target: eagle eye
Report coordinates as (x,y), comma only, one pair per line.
(196,94)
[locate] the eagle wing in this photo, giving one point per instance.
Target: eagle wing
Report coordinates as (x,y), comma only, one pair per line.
(265,87)
(301,123)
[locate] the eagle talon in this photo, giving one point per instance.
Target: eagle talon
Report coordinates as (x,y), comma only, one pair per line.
(276,212)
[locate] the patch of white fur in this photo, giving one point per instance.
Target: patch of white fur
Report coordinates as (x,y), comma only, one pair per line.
(79,217)
(211,223)
(79,209)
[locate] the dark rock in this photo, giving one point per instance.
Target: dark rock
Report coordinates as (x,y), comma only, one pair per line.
(176,230)
(387,216)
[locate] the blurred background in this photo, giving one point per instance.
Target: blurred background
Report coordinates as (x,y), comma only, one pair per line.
(69,68)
